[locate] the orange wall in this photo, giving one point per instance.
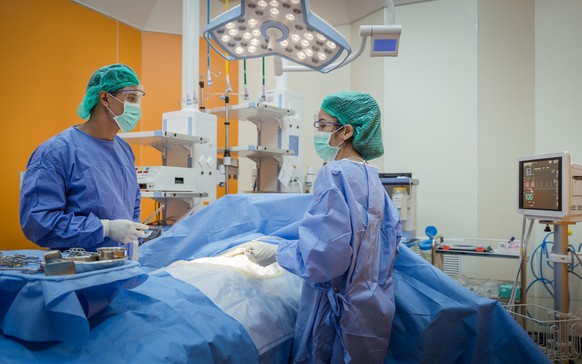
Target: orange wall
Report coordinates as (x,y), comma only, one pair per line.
(48,51)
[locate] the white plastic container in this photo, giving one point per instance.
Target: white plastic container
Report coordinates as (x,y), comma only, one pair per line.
(400,200)
(425,249)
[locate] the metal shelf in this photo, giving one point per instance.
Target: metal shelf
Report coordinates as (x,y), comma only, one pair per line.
(172,194)
(438,252)
(252,111)
(160,139)
(398,181)
(256,152)
(475,253)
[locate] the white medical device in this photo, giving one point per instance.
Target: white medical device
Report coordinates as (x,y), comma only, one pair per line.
(401,188)
(550,187)
(166,178)
(384,39)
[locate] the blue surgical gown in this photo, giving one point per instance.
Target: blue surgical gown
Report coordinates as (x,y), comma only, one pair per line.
(345,254)
(71,182)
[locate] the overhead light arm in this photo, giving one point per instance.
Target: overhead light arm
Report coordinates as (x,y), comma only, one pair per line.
(390,12)
(190,50)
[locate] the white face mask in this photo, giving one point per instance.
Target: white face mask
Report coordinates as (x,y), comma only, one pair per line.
(131,115)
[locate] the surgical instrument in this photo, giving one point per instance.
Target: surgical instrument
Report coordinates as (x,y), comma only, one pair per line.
(162,206)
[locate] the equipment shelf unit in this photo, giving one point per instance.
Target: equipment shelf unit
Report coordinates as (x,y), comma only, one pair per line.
(267,153)
(177,150)
(438,253)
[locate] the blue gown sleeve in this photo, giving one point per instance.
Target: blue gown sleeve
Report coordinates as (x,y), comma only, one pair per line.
(324,250)
(43,218)
(136,210)
(137,205)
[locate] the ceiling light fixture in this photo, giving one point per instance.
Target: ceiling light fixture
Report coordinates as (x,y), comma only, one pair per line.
(286,28)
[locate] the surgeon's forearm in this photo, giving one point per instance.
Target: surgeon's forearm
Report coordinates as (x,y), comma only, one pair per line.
(59,230)
(289,257)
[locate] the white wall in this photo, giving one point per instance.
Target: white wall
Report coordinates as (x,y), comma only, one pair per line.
(506,110)
(431,116)
(505,123)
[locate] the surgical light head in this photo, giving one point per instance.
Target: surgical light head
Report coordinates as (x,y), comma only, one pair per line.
(362,112)
(108,78)
(287,28)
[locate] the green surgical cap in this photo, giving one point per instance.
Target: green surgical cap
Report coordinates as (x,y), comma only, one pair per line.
(362,112)
(108,78)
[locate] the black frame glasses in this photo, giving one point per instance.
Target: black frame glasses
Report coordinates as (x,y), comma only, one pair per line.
(321,123)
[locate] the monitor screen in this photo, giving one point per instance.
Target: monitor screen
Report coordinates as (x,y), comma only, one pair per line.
(541,184)
(385,45)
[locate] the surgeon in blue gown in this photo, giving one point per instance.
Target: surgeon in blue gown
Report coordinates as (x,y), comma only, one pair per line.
(80,187)
(347,242)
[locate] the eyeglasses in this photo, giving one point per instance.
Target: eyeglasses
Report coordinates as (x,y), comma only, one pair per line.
(321,123)
(132,95)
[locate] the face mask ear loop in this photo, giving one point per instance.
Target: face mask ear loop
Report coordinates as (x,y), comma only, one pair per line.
(342,142)
(108,109)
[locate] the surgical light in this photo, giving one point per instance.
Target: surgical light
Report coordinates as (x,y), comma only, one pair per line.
(275,24)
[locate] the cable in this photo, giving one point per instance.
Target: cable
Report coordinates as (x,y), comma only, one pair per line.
(228,85)
(573,252)
(573,265)
(576,274)
(245,89)
(542,252)
(264,95)
(298,181)
(543,255)
(209,74)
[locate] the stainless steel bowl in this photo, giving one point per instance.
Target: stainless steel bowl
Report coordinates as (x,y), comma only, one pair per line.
(109,253)
(84,258)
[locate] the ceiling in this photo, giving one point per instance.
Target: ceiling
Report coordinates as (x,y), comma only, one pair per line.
(165,16)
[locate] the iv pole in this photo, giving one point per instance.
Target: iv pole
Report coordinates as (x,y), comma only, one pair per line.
(561,303)
(227,161)
(561,268)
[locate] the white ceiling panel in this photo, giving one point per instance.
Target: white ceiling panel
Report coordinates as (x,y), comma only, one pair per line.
(165,16)
(131,12)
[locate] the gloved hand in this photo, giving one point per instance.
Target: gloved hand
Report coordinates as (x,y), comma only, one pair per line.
(123,231)
(261,253)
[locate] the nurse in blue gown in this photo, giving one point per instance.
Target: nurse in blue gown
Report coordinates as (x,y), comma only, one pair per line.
(347,242)
(80,187)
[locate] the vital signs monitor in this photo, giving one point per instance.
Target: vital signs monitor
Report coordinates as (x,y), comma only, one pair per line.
(550,187)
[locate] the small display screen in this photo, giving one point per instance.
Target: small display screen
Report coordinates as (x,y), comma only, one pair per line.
(541,184)
(385,45)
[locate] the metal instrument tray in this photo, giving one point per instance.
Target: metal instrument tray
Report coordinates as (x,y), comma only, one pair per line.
(83,267)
